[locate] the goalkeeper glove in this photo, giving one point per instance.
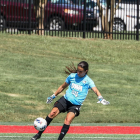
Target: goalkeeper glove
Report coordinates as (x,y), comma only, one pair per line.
(50,99)
(102,100)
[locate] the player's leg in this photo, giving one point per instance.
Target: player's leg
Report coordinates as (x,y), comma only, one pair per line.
(73,111)
(58,108)
(70,116)
(49,118)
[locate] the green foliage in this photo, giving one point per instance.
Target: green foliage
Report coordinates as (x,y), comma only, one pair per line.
(32,68)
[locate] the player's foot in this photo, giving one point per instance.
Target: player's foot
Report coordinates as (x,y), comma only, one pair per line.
(37,136)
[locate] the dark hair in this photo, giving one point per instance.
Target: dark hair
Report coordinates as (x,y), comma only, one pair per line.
(72,69)
(84,65)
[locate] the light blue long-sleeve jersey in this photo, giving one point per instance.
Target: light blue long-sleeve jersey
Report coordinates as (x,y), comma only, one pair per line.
(78,88)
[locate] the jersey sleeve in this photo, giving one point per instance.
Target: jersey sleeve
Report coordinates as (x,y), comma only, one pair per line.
(68,79)
(91,84)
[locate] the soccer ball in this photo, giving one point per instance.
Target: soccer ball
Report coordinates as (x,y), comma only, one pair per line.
(40,124)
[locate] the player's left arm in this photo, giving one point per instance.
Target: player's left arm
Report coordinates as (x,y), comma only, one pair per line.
(96,91)
(100,97)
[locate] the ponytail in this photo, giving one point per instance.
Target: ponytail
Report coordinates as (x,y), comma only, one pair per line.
(70,69)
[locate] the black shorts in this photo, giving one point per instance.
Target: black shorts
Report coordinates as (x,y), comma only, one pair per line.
(65,106)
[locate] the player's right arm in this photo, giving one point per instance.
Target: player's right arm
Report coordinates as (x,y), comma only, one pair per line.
(61,88)
(58,91)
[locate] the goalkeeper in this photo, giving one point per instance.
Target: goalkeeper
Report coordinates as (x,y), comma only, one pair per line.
(78,83)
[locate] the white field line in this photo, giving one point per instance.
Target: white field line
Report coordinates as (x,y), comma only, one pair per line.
(116,138)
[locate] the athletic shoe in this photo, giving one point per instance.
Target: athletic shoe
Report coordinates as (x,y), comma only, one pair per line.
(37,136)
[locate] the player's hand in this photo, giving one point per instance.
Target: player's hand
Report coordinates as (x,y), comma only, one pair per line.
(50,99)
(103,101)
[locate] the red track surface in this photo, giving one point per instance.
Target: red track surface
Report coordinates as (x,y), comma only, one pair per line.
(74,129)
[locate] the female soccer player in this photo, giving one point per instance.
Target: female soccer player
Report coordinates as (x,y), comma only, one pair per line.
(79,83)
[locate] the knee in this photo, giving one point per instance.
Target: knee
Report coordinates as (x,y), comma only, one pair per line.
(53,113)
(68,121)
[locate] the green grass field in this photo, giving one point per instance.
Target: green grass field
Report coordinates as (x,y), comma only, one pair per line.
(32,68)
(70,137)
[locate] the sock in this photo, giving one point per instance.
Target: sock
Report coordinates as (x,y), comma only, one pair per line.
(48,122)
(64,130)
